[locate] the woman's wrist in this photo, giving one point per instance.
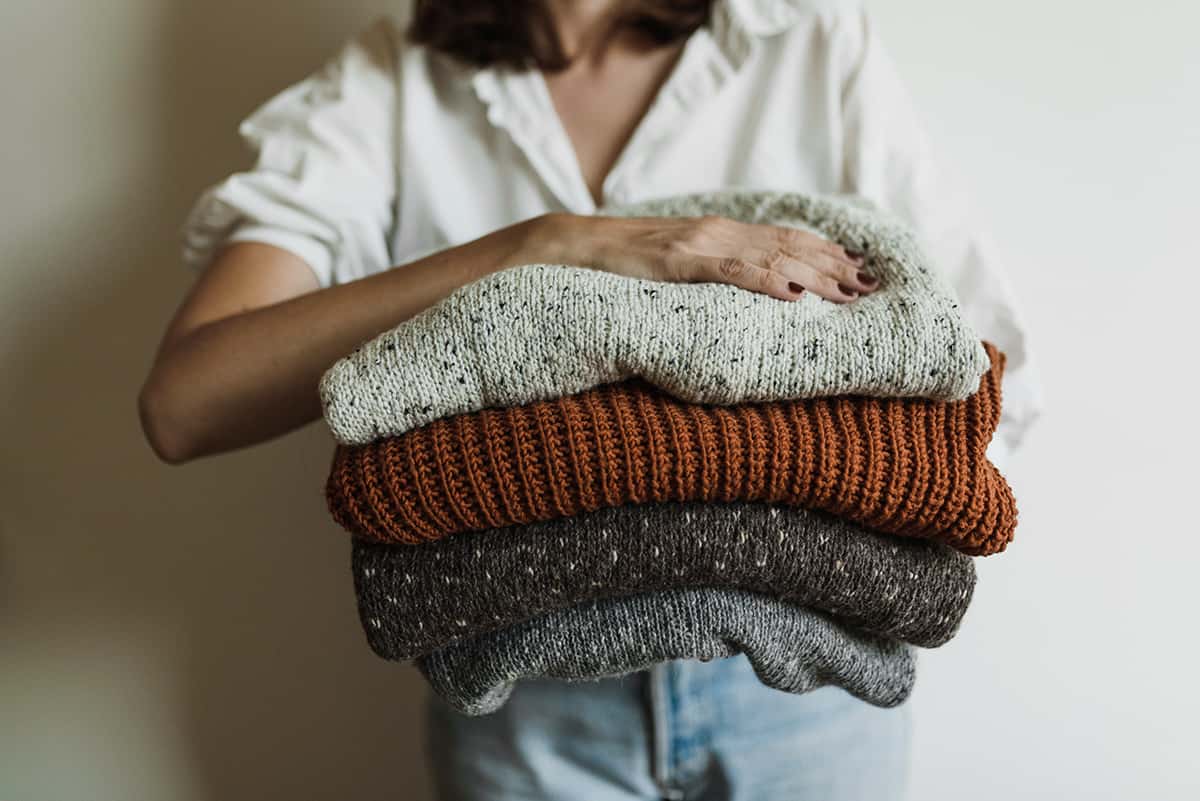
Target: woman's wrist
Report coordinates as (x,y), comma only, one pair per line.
(593,240)
(561,238)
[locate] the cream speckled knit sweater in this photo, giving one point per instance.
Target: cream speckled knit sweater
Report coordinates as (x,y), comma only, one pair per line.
(543,331)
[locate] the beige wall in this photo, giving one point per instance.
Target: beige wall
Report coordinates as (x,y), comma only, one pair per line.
(165,633)
(189,632)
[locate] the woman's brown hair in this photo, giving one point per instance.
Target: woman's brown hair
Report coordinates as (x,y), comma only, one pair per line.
(518,33)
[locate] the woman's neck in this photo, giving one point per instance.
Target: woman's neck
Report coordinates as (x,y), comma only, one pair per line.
(585,28)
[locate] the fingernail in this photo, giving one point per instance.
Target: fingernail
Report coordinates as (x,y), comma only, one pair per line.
(845,290)
(853,254)
(792,285)
(868,279)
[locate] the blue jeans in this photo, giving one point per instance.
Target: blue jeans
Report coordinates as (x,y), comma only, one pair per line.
(695,731)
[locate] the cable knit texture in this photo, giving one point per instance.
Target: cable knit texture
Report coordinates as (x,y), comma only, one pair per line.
(539,332)
(791,648)
(911,467)
(425,598)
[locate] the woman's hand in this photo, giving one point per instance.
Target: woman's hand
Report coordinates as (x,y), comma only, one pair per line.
(777,261)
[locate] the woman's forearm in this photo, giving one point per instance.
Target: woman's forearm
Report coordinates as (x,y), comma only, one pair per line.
(253,375)
(242,360)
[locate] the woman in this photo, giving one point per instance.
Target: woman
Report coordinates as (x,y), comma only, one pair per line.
(411,165)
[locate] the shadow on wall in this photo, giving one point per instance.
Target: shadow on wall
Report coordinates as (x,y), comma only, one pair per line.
(209,606)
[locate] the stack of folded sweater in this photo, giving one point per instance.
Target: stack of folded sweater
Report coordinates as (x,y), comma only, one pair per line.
(559,472)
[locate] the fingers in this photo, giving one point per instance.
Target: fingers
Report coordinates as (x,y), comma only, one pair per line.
(823,284)
(798,241)
(778,261)
(747,275)
(786,276)
(817,272)
(851,278)
(819,265)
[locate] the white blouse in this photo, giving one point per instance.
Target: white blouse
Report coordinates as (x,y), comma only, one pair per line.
(391,151)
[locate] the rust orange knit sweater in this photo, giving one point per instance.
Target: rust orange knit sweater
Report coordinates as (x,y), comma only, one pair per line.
(905,466)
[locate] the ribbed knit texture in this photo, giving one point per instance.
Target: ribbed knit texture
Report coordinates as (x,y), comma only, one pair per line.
(790,648)
(539,332)
(427,597)
(911,467)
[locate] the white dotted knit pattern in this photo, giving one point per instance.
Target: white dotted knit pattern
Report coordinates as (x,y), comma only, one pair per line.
(543,331)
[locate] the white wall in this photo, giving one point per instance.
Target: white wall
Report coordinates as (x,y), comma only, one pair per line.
(189,633)
(1078,124)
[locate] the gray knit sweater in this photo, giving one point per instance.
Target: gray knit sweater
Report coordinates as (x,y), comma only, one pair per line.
(414,599)
(543,331)
(790,648)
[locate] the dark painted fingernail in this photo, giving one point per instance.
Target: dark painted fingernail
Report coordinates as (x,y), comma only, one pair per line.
(853,254)
(845,290)
(869,280)
(792,285)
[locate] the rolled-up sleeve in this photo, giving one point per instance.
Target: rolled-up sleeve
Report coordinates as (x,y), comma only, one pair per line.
(889,159)
(323,184)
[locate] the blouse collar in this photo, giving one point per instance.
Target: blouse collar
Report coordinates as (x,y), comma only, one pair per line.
(737,24)
(734,28)
(517,101)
